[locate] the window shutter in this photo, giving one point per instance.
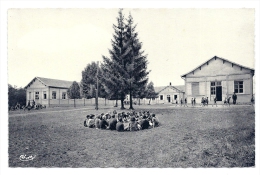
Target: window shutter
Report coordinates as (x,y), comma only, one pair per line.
(195,89)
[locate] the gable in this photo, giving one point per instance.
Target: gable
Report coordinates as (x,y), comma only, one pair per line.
(169,89)
(36,84)
(218,66)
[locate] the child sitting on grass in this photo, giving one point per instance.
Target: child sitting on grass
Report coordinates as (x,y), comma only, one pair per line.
(155,121)
(112,123)
(91,121)
(120,125)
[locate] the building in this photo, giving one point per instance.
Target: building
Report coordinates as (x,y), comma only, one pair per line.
(166,94)
(47,91)
(219,77)
(169,94)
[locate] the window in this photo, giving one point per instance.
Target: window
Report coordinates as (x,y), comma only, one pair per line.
(37,95)
(218,83)
(213,87)
(213,90)
(53,94)
(44,95)
(30,95)
(161,97)
(63,95)
(238,87)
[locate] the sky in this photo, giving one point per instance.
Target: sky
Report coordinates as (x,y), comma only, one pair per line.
(59,43)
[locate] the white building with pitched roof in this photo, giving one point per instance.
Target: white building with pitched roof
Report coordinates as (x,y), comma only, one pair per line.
(169,94)
(47,91)
(219,77)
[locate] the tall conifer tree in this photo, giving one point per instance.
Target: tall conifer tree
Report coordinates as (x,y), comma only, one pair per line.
(137,61)
(125,70)
(114,68)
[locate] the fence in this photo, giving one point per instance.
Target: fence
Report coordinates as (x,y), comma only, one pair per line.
(80,102)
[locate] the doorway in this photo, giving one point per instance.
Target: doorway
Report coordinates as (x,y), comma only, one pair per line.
(169,98)
(219,93)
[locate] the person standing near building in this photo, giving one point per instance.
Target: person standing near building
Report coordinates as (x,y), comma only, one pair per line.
(252,101)
(185,102)
(181,102)
(234,97)
(215,102)
(207,101)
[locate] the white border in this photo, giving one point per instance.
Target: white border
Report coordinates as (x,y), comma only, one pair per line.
(115,4)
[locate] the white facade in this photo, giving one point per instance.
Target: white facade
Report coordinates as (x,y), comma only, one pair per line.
(219,78)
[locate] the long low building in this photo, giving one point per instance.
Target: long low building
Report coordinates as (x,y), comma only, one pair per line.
(220,78)
(47,91)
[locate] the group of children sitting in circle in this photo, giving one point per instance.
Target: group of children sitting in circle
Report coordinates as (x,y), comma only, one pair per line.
(124,121)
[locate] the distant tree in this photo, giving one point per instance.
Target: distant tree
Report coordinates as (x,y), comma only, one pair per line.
(140,93)
(89,79)
(74,91)
(89,82)
(16,96)
(150,92)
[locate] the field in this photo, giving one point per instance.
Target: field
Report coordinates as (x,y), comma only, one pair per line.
(187,137)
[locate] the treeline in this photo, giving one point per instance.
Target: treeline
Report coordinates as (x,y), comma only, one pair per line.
(16,95)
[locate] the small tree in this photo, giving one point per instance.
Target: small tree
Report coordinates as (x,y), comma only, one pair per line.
(74,91)
(150,92)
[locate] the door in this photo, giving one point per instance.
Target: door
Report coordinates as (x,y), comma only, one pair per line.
(169,98)
(219,93)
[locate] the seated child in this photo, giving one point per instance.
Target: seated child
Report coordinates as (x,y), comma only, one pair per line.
(144,123)
(155,121)
(97,122)
(112,123)
(86,121)
(133,124)
(120,125)
(91,121)
(103,123)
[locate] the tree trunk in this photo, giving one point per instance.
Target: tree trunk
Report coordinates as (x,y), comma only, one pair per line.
(105,102)
(149,101)
(139,101)
(116,104)
(131,101)
(122,101)
(74,103)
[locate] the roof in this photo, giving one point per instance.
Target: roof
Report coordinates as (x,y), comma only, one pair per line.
(160,88)
(218,58)
(52,82)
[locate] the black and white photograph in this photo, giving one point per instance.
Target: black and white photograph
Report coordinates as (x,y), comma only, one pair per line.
(130,87)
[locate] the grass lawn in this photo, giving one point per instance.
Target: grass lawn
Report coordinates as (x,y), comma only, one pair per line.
(187,137)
